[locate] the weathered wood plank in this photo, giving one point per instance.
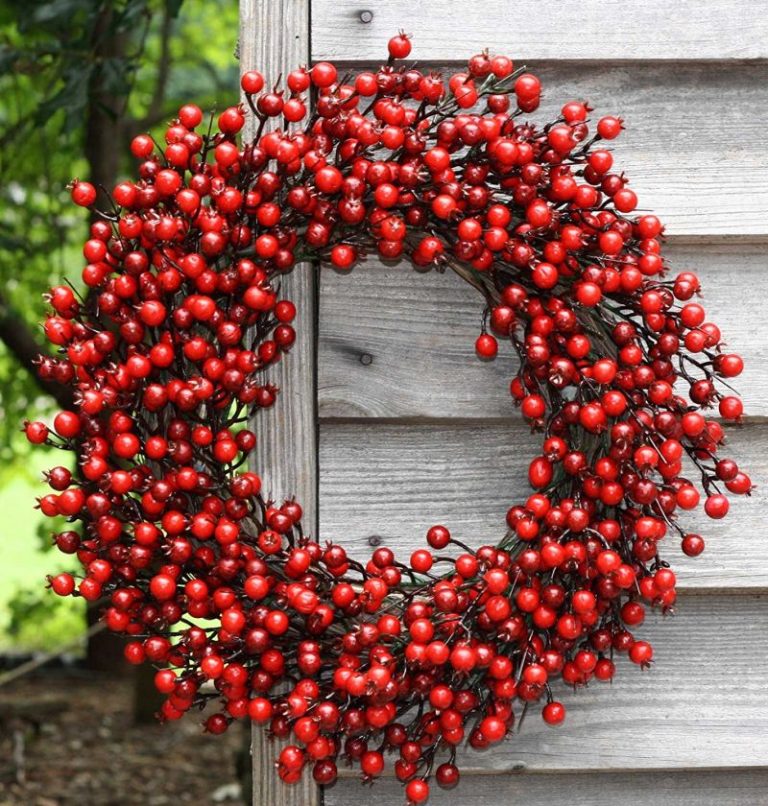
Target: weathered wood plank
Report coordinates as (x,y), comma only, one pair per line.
(703,705)
(701,788)
(399,343)
(694,143)
(393,481)
(352,30)
(274,37)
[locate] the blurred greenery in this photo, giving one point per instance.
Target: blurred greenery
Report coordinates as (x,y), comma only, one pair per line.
(78,78)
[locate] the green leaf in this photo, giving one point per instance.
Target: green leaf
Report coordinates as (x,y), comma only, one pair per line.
(115,76)
(59,11)
(174,6)
(73,97)
(10,242)
(131,15)
(8,56)
(38,619)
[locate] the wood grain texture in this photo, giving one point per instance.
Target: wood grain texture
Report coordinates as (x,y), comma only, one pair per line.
(694,140)
(700,788)
(274,37)
(393,481)
(416,333)
(529,29)
(703,705)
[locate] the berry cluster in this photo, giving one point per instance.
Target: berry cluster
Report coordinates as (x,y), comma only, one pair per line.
(167,356)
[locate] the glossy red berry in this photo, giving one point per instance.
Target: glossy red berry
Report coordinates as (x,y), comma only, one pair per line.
(399,46)
(486,346)
(83,193)
(553,713)
(252,82)
(609,127)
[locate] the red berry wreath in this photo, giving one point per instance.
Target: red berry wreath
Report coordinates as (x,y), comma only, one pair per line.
(167,355)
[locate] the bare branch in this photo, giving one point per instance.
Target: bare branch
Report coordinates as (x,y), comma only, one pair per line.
(157,103)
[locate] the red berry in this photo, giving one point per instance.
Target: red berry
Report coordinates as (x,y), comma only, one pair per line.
(323,74)
(36,433)
(421,561)
(252,82)
(343,256)
(417,791)
(190,115)
(609,127)
(83,193)
(62,584)
(553,713)
(716,506)
(486,346)
(399,46)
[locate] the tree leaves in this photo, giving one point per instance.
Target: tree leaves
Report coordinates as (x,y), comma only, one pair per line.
(72,97)
(54,13)
(48,72)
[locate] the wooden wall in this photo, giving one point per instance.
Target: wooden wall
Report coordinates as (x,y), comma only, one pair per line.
(412,431)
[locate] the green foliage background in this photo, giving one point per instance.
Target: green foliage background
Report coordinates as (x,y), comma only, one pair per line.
(67,69)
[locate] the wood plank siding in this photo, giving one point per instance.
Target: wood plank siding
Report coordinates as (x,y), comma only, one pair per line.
(394,426)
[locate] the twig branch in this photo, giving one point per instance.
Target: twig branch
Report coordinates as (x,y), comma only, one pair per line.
(156,105)
(36,663)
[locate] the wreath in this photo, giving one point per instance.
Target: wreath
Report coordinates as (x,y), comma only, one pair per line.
(167,355)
